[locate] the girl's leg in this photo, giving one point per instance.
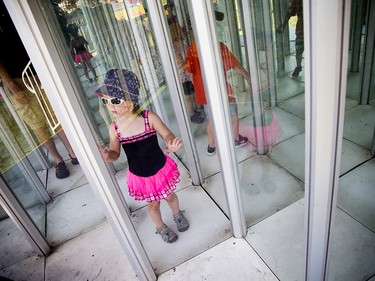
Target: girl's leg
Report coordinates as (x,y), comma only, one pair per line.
(236,127)
(155,214)
(210,135)
(173,203)
(91,68)
(178,216)
(84,66)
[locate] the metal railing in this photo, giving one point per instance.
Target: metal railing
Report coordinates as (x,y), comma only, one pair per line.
(32,83)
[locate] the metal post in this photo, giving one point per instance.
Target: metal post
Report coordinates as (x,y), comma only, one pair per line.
(215,88)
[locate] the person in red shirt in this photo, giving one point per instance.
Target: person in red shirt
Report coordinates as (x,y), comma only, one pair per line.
(229,62)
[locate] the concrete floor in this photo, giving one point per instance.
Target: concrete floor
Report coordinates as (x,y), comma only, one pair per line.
(85,247)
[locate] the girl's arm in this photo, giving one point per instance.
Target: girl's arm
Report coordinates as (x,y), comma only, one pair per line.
(173,143)
(113,152)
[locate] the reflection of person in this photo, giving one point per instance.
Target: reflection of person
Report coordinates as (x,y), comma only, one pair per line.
(152,175)
(229,62)
(271,130)
(28,108)
(82,56)
(295,9)
(13,59)
(179,39)
(180,48)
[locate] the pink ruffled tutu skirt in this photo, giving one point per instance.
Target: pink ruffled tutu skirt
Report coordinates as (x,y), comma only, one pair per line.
(271,132)
(83,57)
(156,187)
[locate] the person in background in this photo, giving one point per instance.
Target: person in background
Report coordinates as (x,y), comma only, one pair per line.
(13,60)
(295,9)
(28,108)
(82,55)
(152,175)
(229,62)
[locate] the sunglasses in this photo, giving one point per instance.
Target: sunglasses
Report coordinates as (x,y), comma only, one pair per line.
(113,101)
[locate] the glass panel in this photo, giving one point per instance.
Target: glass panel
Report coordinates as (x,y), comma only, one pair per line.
(31,140)
(14,248)
(271,118)
(352,246)
(118,35)
(268,128)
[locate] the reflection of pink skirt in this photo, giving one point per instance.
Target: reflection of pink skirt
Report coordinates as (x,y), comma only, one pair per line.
(83,57)
(272,132)
(156,187)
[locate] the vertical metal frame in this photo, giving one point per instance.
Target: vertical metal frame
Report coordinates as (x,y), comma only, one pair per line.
(368,55)
(256,85)
(269,52)
(164,41)
(213,78)
(356,34)
(22,220)
(40,45)
(20,160)
(325,73)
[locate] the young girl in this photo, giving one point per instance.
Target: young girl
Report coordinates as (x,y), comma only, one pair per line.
(82,56)
(152,175)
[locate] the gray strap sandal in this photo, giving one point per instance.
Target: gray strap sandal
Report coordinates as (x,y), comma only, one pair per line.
(181,221)
(167,234)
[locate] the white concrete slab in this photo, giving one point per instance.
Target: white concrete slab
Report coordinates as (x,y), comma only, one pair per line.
(356,195)
(232,260)
(288,87)
(96,255)
(29,269)
(290,154)
(266,188)
(72,214)
(14,247)
(279,240)
(352,252)
(208,227)
(359,125)
(58,186)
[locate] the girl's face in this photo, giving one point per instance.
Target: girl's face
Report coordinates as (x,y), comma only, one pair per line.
(117,107)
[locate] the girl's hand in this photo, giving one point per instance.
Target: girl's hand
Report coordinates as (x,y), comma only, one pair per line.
(103,152)
(173,145)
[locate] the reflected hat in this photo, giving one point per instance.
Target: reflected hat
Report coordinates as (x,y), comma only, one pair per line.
(120,83)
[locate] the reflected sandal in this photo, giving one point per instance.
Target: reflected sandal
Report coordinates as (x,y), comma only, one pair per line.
(61,171)
(74,160)
(181,222)
(167,234)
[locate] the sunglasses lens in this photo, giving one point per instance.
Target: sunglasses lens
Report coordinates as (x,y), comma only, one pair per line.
(104,101)
(115,101)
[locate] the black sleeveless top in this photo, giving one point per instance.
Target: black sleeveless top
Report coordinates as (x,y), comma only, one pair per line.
(144,154)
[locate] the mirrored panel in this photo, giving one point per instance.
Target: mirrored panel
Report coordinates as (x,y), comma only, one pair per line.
(38,164)
(112,57)
(352,246)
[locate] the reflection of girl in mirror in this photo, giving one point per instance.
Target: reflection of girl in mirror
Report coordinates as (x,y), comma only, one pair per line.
(152,175)
(82,55)
(271,130)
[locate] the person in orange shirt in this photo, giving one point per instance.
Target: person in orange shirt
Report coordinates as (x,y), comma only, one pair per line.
(229,62)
